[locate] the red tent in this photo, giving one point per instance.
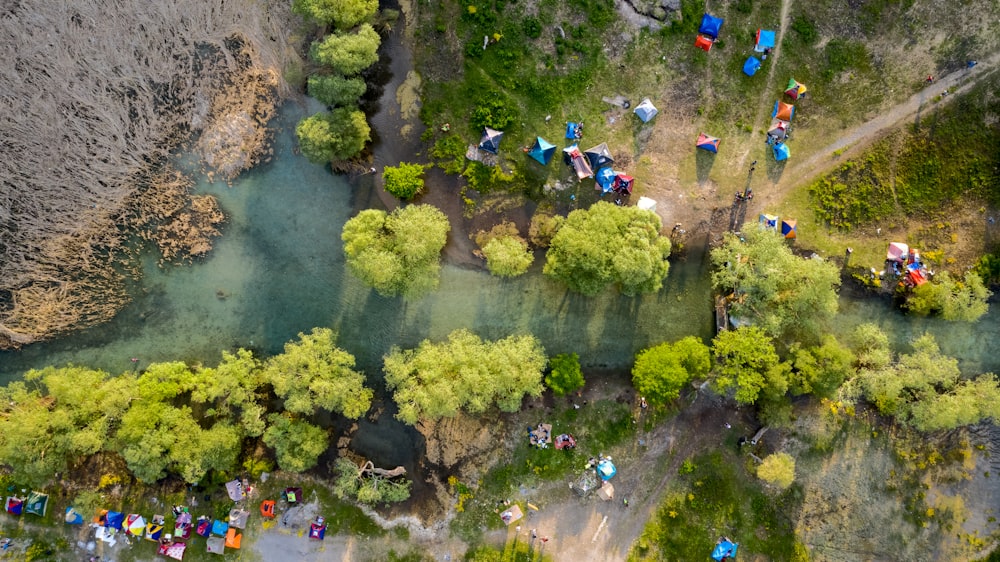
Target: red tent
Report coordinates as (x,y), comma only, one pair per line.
(703,43)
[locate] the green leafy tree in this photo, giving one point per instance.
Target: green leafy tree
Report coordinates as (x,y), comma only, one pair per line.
(822,369)
(952,300)
(745,361)
(437,380)
(493,110)
(404,181)
(544,225)
(348,53)
(397,253)
(336,91)
(778,470)
(339,134)
(662,370)
(508,256)
(297,444)
(607,244)
(773,288)
(345,14)
(233,392)
(565,374)
(871,347)
(314,374)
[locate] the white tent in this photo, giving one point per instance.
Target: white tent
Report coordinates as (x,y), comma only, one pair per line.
(647,204)
(646,110)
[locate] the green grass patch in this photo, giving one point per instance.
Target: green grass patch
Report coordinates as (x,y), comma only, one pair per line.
(716,497)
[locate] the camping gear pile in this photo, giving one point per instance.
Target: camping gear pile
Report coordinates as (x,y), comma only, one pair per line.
(540,436)
(906,264)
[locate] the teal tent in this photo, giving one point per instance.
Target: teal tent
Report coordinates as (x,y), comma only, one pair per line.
(542,151)
(724,550)
(781,151)
(36,503)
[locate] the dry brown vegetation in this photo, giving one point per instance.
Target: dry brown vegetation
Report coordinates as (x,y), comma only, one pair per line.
(95,96)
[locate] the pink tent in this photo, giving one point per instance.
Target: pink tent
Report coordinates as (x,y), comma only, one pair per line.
(897,252)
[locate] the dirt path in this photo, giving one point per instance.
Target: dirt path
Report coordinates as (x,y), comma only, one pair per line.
(853,141)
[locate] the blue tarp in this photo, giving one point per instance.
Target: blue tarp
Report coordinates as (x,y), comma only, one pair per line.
(765,40)
(606,470)
(73,517)
(710,26)
(781,152)
(606,179)
(490,141)
(114,520)
(571,130)
(219,528)
(751,66)
(542,151)
(725,549)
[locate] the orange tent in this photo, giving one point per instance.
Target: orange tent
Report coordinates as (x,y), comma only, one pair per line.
(703,43)
(267,508)
(233,539)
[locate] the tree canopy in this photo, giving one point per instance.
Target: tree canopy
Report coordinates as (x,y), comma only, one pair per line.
(404,181)
(437,380)
(951,299)
(745,360)
(397,253)
(565,374)
(335,135)
(777,469)
(313,374)
(345,14)
(508,256)
(607,244)
(820,370)
(297,444)
(773,288)
(348,53)
(662,370)
(336,91)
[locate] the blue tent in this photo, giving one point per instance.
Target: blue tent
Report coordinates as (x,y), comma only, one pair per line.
(574,131)
(710,26)
(646,110)
(490,141)
(770,222)
(220,528)
(114,520)
(751,66)
(606,470)
(781,152)
(542,151)
(708,143)
(765,40)
(725,549)
(606,179)
(599,156)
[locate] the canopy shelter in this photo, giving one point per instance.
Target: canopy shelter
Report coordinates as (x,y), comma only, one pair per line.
(216,545)
(173,550)
(154,529)
(606,180)
(267,509)
(317,529)
(511,514)
(724,550)
(777,133)
(238,518)
(623,184)
(114,520)
(204,526)
(183,526)
(542,151)
(645,110)
(36,503)
(703,43)
(599,156)
(219,528)
(606,469)
(574,131)
(789,228)
(234,539)
(490,141)
(710,26)
(14,505)
(73,517)
(708,143)
(795,90)
(235,490)
(573,157)
(898,252)
(770,222)
(293,495)
(565,441)
(751,66)
(541,435)
(783,111)
(781,151)
(135,525)
(764,40)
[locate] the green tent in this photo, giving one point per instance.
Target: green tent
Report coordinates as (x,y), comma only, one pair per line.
(36,503)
